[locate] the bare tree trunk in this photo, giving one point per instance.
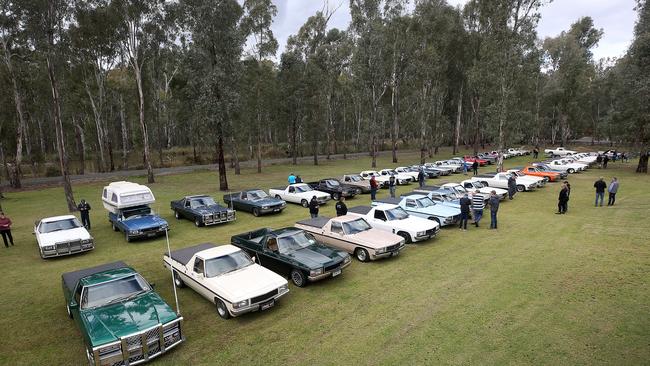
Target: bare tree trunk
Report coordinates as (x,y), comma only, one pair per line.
(294,148)
(642,167)
(459,114)
(476,109)
(99,128)
(235,155)
(143,124)
(81,142)
(223,180)
(125,135)
(14,178)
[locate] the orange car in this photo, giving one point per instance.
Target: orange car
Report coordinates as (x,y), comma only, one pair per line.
(549,176)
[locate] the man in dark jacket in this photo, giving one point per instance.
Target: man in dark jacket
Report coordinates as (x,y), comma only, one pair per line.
(512,186)
(465,204)
(475,167)
(313,207)
(562,200)
(373,188)
(84,210)
(5,230)
(494,208)
(341,208)
(600,186)
(421,178)
(605,160)
(391,186)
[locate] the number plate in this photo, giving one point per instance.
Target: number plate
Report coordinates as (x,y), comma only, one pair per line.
(150,235)
(276,210)
(267,305)
(336,273)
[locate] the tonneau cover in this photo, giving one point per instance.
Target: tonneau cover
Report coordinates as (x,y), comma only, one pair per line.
(392,201)
(184,255)
(412,194)
(361,210)
(70,279)
(487,175)
(427,188)
(317,222)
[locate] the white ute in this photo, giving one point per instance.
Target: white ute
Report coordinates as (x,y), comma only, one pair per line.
(300,193)
(227,277)
(560,151)
(400,178)
(62,235)
(396,220)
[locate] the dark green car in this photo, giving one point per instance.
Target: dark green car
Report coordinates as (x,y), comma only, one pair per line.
(293,252)
(122,319)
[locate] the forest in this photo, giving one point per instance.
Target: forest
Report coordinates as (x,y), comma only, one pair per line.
(103,85)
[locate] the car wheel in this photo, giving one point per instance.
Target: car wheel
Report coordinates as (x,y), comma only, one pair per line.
(222,309)
(361,254)
(278,196)
(178,281)
(298,278)
(520,188)
(336,196)
(406,236)
(114,227)
(197,222)
(571,170)
(177,215)
(304,203)
(485,184)
(547,179)
(126,235)
(256,211)
(67,308)
(89,356)
(358,191)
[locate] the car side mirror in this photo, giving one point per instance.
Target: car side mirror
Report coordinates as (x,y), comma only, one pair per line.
(152,285)
(254,259)
(73,305)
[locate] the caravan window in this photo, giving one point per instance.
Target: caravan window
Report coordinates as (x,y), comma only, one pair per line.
(114,198)
(105,194)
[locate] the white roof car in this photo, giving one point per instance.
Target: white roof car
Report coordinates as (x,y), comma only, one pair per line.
(119,195)
(366,174)
(300,193)
(567,166)
(400,177)
(407,171)
(62,235)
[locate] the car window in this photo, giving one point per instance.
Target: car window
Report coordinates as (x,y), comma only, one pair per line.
(356,226)
(291,243)
(411,203)
(227,263)
(66,224)
(292,189)
(336,227)
(105,194)
(380,215)
(108,292)
(396,213)
(426,202)
(198,265)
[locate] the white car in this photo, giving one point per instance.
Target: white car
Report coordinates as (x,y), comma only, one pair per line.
(586,158)
(456,166)
(565,165)
(394,219)
(500,180)
(460,190)
(407,171)
(62,235)
(227,277)
(560,151)
(472,186)
(515,152)
(300,193)
(505,154)
(381,180)
(540,181)
(400,178)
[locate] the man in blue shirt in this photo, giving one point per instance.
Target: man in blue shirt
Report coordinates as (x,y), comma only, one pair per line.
(292,178)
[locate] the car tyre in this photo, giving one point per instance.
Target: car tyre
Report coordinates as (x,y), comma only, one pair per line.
(547,179)
(361,254)
(222,309)
(336,196)
(256,211)
(298,278)
(406,236)
(304,203)
(67,308)
(197,222)
(278,196)
(177,215)
(90,358)
(114,227)
(571,171)
(178,282)
(126,235)
(520,188)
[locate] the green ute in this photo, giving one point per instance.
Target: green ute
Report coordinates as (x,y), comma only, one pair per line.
(123,321)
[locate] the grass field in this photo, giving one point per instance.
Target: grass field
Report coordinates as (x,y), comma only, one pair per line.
(544,289)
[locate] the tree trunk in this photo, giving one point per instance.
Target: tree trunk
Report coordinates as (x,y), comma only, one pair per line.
(143,124)
(223,179)
(99,128)
(459,114)
(235,155)
(58,127)
(294,148)
(642,167)
(395,107)
(14,178)
(476,106)
(81,142)
(125,135)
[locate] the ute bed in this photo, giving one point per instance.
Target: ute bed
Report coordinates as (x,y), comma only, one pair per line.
(184,255)
(361,210)
(317,222)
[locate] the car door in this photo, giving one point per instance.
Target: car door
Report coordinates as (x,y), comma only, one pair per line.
(337,237)
(380,221)
(187,210)
(197,274)
(270,257)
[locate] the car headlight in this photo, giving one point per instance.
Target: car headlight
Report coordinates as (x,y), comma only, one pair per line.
(109,349)
(283,288)
(402,242)
(240,304)
(381,250)
(164,227)
(48,247)
(284,204)
(347,259)
(421,233)
(265,207)
(86,241)
(135,232)
(316,272)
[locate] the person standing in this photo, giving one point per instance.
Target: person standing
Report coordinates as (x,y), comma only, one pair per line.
(391,186)
(5,230)
(464,168)
(465,204)
(341,208)
(292,178)
(568,195)
(605,160)
(373,188)
(299,179)
(600,191)
(535,152)
(478,204)
(475,167)
(562,200)
(599,161)
(512,186)
(494,208)
(421,178)
(84,210)
(612,189)
(313,207)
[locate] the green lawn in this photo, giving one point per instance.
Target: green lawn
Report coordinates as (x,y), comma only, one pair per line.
(543,289)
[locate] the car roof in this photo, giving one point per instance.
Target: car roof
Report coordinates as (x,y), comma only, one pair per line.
(218,251)
(58,218)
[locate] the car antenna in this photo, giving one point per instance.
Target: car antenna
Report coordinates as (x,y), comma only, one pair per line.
(171,269)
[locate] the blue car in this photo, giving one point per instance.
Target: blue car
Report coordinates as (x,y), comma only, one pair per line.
(138,222)
(418,204)
(441,196)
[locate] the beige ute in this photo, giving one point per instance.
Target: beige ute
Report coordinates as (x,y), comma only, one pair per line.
(354,235)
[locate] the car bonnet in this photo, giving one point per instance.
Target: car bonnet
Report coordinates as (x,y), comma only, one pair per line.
(245,283)
(63,235)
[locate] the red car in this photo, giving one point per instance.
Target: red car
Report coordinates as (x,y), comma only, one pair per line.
(471,159)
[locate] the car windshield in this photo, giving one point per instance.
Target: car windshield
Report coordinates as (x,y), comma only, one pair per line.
(332,183)
(355,178)
(257,195)
(356,226)
(303,188)
(391,172)
(476,184)
(134,214)
(396,213)
(65,224)
(202,202)
(291,243)
(227,263)
(113,291)
(446,197)
(426,202)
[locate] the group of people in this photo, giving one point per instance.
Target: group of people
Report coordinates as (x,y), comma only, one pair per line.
(476,205)
(599,185)
(293,179)
(341,207)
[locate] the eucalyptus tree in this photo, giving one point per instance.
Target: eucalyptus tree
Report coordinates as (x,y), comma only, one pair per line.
(290,75)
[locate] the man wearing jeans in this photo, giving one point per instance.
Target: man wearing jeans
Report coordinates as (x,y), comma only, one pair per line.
(612,189)
(478,204)
(600,186)
(465,204)
(494,208)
